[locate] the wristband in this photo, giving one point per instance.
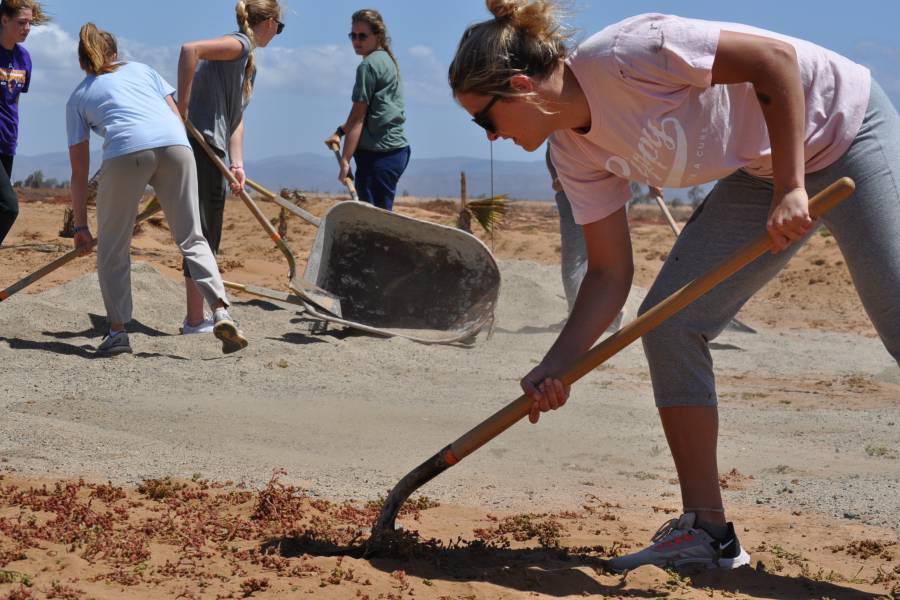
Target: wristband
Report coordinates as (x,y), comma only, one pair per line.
(81,228)
(340,131)
(237,166)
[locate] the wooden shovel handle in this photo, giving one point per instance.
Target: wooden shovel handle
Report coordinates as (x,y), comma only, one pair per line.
(251,205)
(519,408)
(151,209)
(348,181)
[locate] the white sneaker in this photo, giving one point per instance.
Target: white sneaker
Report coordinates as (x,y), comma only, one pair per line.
(205,326)
(227,330)
(678,543)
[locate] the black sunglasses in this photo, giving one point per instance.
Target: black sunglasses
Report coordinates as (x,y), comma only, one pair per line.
(358,36)
(482,118)
(280,27)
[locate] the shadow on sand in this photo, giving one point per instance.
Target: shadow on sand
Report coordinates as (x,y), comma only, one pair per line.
(83,351)
(559,572)
(98,328)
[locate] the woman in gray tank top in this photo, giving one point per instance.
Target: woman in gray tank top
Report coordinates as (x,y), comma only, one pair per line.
(215,82)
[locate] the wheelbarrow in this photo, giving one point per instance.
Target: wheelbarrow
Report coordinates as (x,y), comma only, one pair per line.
(398,276)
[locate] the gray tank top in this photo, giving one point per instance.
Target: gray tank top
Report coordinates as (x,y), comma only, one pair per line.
(217,103)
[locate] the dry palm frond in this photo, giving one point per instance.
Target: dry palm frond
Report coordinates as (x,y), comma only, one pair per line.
(68,227)
(295,196)
(488,212)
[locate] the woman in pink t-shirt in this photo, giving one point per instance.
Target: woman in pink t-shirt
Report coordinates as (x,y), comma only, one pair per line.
(673,102)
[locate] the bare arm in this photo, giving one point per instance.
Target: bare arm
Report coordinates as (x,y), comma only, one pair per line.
(171,102)
(771,66)
(236,156)
(80,160)
(353,130)
(221,48)
(603,292)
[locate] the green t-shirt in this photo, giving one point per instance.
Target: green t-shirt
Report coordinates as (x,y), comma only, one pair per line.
(378,85)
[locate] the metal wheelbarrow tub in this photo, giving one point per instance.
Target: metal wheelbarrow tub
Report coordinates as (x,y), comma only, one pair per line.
(400,276)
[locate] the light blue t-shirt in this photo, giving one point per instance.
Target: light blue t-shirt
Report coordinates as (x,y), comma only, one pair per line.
(127,108)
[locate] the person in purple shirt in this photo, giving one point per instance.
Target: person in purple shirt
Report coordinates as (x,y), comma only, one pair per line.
(16,19)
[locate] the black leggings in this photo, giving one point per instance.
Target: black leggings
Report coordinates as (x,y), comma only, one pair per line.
(9,204)
(211,190)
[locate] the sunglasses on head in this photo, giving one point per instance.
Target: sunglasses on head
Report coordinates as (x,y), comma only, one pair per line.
(358,36)
(482,119)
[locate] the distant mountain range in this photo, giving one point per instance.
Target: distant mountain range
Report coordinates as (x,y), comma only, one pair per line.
(317,173)
(428,177)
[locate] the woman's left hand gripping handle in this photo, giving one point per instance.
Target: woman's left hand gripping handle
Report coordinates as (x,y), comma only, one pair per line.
(546,392)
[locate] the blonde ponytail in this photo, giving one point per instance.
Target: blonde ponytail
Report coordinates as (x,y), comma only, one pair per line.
(243,21)
(96,50)
(248,14)
(524,37)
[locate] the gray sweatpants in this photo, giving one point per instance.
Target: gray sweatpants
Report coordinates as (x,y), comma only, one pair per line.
(866,228)
(172,173)
(573,252)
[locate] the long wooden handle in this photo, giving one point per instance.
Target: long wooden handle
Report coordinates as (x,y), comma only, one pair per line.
(152,208)
(661,201)
(251,205)
(519,408)
(348,181)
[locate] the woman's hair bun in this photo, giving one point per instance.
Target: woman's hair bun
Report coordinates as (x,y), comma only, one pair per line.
(505,9)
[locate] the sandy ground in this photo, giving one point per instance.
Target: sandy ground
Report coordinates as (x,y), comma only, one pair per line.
(809,446)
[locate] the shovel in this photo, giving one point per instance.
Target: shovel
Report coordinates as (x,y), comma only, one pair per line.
(348,181)
(151,209)
(311,293)
(515,411)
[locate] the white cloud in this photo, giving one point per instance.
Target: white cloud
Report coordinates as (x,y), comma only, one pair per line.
(329,71)
(425,78)
(320,70)
(325,71)
(54,55)
(164,59)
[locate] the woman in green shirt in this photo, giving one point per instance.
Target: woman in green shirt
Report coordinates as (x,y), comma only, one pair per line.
(374,129)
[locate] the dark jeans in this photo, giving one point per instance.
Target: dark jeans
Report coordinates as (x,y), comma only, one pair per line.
(377,174)
(9,204)
(211,190)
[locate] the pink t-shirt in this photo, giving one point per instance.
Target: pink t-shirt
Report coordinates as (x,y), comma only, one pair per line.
(656,118)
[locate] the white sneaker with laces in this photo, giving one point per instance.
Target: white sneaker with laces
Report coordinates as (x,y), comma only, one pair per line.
(227,330)
(679,543)
(205,326)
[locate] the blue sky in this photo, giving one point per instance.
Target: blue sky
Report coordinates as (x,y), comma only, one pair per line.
(306,74)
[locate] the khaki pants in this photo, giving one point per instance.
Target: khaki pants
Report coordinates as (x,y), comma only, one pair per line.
(172,173)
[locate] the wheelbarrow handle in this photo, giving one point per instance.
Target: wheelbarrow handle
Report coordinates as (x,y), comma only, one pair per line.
(151,209)
(519,408)
(303,214)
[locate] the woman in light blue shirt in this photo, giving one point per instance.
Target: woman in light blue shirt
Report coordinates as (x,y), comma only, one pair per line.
(131,107)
